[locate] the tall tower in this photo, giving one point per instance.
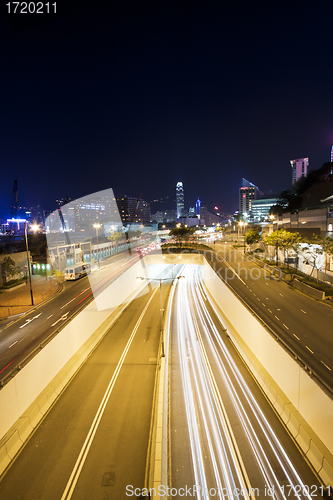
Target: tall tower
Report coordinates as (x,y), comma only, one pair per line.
(299,168)
(180,200)
(331,154)
(197,208)
(247,193)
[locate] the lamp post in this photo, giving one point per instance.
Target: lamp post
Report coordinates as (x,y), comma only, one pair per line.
(28,261)
(161,302)
(97,226)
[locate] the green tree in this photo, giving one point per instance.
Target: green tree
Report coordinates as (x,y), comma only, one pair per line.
(252,237)
(182,232)
(9,269)
(277,239)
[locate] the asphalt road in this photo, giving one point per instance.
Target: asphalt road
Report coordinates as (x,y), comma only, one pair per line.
(303,323)
(225,436)
(93,442)
(20,338)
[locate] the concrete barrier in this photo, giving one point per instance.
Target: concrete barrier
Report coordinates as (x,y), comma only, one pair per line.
(159,456)
(308,290)
(28,396)
(302,405)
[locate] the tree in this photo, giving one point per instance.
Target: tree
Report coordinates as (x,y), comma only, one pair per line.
(275,239)
(293,242)
(182,232)
(252,236)
(9,268)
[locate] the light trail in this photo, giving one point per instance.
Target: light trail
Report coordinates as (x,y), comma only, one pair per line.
(207,369)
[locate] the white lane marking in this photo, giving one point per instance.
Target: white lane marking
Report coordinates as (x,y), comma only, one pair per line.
(326,366)
(308,348)
(296,336)
(13,344)
(67,495)
(286,326)
(277,318)
(29,320)
(281,294)
(63,317)
(266,284)
(267,298)
(254,294)
(303,311)
(258,299)
(50,316)
(264,304)
(270,311)
(278,309)
(68,302)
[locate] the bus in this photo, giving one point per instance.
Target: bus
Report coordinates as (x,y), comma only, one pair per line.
(77,271)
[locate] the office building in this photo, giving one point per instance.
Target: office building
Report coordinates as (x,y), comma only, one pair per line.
(299,168)
(180,200)
(198,208)
(132,210)
(260,208)
(247,193)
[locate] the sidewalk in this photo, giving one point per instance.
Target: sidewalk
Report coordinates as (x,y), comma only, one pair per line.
(18,299)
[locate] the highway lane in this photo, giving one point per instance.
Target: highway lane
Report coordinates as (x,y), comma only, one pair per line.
(24,334)
(94,440)
(225,436)
(303,323)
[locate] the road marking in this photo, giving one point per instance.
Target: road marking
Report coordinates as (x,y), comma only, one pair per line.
(281,294)
(63,317)
(267,298)
(94,426)
(264,304)
(258,299)
(50,316)
(250,289)
(13,344)
(303,311)
(296,336)
(270,311)
(266,284)
(254,294)
(326,366)
(277,318)
(278,309)
(308,348)
(29,320)
(286,326)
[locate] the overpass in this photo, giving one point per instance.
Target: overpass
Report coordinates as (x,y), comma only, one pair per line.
(102,402)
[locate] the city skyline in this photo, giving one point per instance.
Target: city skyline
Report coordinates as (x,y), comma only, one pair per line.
(113,98)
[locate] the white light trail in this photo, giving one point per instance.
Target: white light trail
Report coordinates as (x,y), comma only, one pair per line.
(216,457)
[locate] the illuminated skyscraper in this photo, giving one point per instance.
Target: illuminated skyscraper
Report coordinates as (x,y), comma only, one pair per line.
(331,154)
(300,168)
(247,193)
(180,200)
(198,208)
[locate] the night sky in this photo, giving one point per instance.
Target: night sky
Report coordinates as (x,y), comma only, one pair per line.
(137,95)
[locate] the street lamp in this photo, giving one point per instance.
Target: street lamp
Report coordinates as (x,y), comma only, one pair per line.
(161,302)
(28,261)
(97,226)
